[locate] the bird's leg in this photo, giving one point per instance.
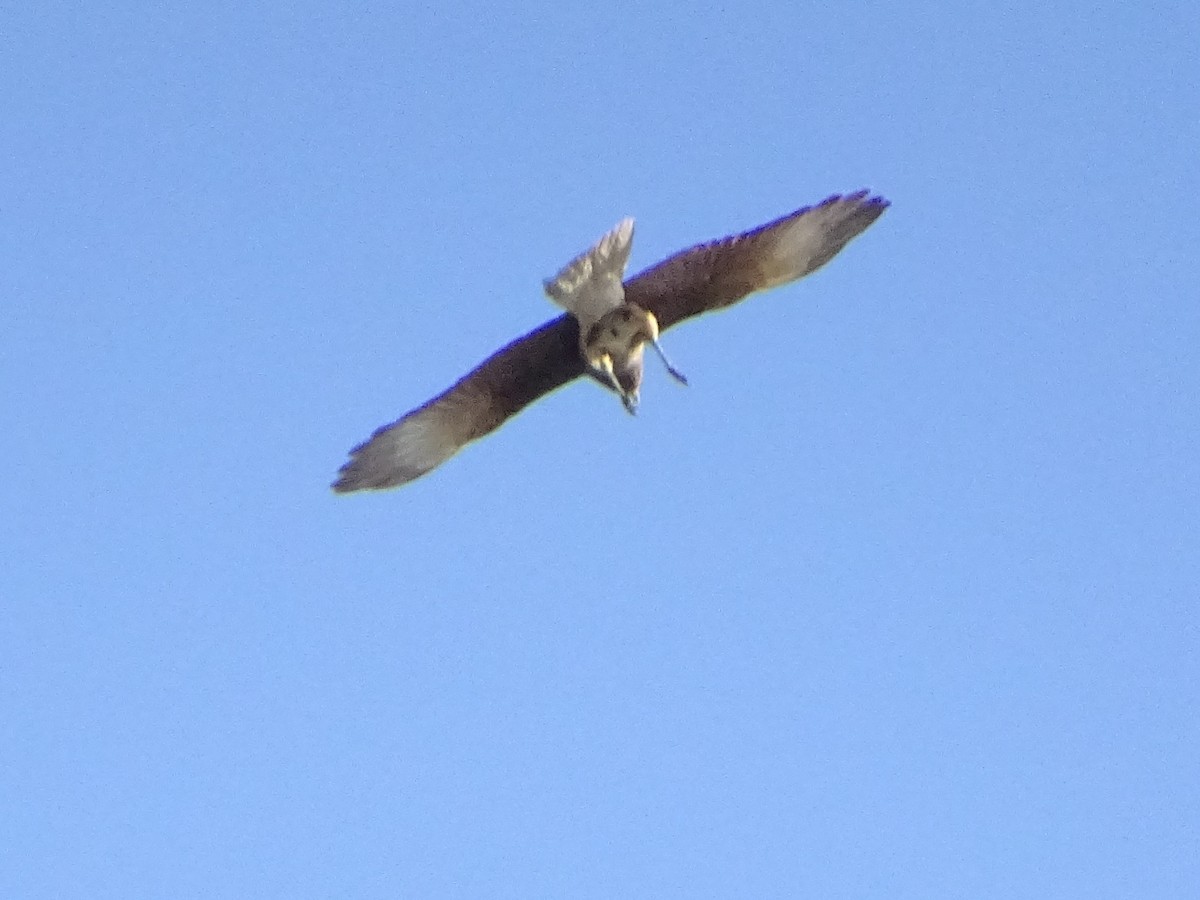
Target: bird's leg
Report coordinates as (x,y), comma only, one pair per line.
(604,365)
(675,373)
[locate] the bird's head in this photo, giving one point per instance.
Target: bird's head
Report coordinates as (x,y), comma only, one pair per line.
(614,346)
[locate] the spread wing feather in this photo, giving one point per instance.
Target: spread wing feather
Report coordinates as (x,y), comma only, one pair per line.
(705,277)
(499,387)
(717,274)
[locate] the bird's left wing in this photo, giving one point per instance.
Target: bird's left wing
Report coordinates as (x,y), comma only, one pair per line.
(590,285)
(502,385)
(722,272)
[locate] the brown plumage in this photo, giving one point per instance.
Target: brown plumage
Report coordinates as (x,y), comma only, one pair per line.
(700,279)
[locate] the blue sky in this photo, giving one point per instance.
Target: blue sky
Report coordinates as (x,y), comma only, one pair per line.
(898,599)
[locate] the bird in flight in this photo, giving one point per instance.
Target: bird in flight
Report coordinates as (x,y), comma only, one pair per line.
(609,321)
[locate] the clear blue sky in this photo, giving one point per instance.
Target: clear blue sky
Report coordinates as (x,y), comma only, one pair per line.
(898,600)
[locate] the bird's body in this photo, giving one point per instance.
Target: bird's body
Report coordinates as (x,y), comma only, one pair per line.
(615,346)
(613,333)
(604,334)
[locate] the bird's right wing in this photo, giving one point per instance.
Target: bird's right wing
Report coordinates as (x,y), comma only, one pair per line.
(717,274)
(590,285)
(502,385)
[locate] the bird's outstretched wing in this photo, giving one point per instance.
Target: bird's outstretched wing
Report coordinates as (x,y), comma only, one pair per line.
(502,385)
(720,273)
(705,277)
(590,285)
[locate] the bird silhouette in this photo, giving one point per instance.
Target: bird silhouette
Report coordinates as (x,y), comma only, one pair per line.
(608,322)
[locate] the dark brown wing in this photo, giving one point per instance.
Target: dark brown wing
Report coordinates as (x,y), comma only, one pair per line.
(501,386)
(718,274)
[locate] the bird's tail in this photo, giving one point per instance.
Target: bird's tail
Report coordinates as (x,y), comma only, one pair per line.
(605,261)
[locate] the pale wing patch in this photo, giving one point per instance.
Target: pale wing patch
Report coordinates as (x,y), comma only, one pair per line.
(806,242)
(590,285)
(411,446)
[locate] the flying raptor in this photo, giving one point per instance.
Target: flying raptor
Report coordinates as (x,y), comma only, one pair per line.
(605,330)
